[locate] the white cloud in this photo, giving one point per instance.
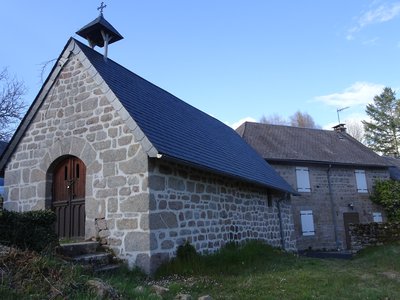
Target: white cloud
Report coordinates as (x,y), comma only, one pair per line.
(381,14)
(371,42)
(240,122)
(359,93)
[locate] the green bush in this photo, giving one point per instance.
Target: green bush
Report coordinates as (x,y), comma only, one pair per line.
(32,230)
(387,194)
(186,252)
(230,259)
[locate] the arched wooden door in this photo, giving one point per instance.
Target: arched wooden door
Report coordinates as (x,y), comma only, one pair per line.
(69,198)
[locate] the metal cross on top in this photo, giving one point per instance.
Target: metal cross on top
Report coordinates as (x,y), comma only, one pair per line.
(101,7)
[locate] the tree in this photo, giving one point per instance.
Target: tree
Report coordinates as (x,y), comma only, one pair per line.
(382,132)
(356,130)
(12,106)
(298,119)
(304,120)
(274,119)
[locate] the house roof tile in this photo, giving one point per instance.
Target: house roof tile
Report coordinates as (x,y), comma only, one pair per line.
(286,143)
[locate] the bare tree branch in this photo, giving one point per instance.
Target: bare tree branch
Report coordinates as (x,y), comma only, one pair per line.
(273,119)
(356,130)
(298,119)
(43,69)
(304,120)
(12,106)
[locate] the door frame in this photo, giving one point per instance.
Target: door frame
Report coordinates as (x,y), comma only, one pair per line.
(75,208)
(349,218)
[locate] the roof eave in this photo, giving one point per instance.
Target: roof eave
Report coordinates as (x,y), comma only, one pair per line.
(226,174)
(320,162)
(36,104)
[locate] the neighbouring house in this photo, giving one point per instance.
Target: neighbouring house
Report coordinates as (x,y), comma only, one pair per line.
(333,174)
(124,161)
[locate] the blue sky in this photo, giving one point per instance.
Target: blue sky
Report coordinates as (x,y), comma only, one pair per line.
(233,59)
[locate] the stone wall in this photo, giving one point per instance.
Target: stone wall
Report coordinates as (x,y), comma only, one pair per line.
(344,193)
(373,234)
(77,119)
(209,210)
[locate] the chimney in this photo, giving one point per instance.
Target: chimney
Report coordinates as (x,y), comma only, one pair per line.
(340,128)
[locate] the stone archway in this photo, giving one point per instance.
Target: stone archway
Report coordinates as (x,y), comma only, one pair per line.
(81,149)
(68,197)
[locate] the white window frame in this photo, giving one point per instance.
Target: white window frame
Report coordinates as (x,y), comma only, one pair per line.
(303,180)
(361,181)
(377,217)
(307,222)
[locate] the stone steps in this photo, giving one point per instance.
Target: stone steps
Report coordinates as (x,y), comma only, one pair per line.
(90,255)
(78,248)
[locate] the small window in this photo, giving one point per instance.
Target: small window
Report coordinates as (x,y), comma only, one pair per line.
(361,181)
(377,217)
(303,180)
(77,171)
(307,222)
(65,173)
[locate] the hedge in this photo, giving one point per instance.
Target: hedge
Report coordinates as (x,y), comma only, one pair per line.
(32,230)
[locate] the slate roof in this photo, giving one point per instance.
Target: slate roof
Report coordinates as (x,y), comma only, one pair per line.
(177,130)
(394,167)
(3,146)
(286,143)
(181,131)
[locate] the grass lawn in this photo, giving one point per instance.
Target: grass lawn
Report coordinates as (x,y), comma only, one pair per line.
(256,271)
(252,271)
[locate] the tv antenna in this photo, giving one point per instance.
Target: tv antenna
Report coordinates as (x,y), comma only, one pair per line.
(339,110)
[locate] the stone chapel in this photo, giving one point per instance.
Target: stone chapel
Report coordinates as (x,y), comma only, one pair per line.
(125,162)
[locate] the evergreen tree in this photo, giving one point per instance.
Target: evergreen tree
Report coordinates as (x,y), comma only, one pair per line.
(382,134)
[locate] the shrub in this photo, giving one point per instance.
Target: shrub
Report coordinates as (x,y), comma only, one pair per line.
(387,194)
(186,252)
(32,230)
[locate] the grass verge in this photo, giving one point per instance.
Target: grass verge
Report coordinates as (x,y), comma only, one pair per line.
(257,271)
(251,271)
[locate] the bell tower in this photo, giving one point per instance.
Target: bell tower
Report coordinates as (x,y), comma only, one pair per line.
(99,32)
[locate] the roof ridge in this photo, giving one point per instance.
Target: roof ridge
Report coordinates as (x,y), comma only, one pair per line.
(289,126)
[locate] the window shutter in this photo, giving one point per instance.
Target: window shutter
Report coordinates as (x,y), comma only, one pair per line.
(361,181)
(307,222)
(377,216)
(303,180)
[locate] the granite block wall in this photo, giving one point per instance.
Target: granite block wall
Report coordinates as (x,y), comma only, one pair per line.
(209,211)
(373,234)
(345,197)
(77,119)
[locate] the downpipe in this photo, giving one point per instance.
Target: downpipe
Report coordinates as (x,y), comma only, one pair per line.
(278,202)
(333,208)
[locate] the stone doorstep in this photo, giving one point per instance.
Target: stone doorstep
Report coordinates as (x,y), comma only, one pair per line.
(89,255)
(345,254)
(76,249)
(107,268)
(96,259)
